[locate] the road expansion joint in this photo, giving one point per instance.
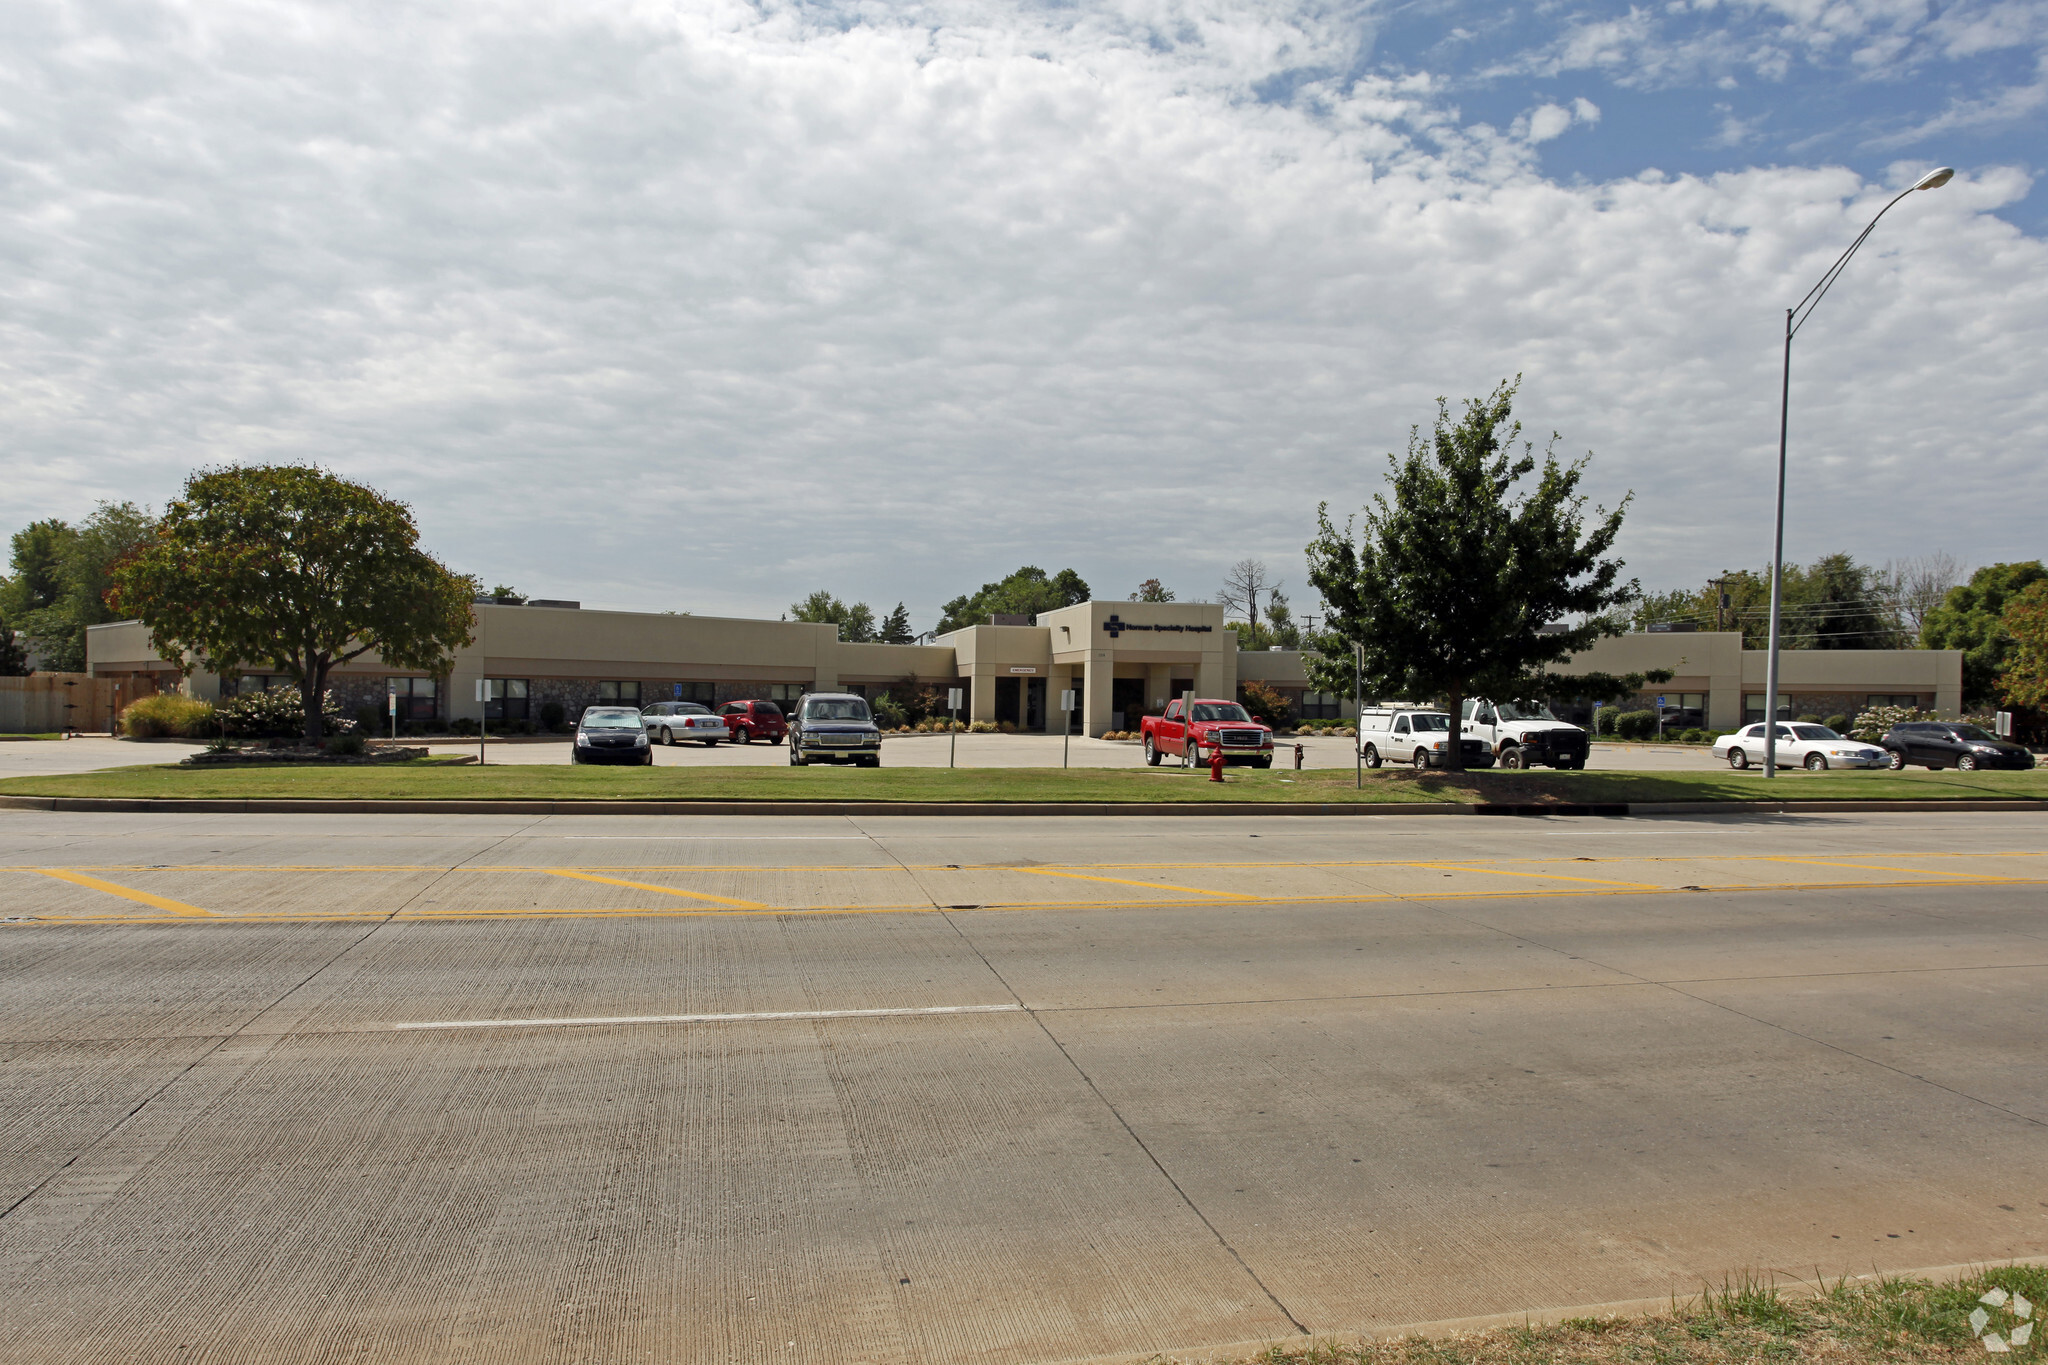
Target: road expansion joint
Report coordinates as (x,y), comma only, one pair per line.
(1139,1142)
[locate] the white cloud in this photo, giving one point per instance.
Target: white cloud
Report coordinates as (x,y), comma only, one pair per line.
(701,305)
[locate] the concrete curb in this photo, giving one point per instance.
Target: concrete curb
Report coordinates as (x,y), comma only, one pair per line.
(144,805)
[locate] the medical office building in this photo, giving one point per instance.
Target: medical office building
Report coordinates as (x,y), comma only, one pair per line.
(1121,659)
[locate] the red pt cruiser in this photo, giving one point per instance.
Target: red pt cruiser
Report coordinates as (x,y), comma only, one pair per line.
(751,720)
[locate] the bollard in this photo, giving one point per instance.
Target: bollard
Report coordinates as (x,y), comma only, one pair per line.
(1216,764)
(1297,758)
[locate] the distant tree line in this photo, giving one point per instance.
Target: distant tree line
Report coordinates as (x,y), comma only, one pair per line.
(57,583)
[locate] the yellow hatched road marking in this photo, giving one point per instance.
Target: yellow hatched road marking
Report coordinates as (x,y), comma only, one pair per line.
(128,893)
(1554,876)
(663,890)
(1122,881)
(1881,867)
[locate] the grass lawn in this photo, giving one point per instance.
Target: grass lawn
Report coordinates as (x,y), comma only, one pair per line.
(1878,1319)
(438,779)
(52,735)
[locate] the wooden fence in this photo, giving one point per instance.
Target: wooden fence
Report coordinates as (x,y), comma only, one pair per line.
(37,704)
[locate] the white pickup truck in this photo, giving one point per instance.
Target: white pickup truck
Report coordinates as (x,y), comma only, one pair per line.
(1522,735)
(1417,735)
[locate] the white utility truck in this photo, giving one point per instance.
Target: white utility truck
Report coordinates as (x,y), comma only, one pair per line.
(1524,734)
(1419,735)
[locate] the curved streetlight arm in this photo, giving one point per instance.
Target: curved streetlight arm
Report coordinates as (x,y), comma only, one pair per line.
(1795,318)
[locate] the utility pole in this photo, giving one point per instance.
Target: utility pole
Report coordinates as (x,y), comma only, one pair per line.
(1721,603)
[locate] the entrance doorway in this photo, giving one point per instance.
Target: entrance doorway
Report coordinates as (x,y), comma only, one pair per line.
(1008,704)
(1034,704)
(1127,702)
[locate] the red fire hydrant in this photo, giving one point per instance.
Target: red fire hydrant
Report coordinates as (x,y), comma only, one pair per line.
(1216,764)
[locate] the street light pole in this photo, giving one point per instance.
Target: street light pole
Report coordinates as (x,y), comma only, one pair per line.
(1795,318)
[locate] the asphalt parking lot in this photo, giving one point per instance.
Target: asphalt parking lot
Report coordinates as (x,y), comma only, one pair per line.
(814,1089)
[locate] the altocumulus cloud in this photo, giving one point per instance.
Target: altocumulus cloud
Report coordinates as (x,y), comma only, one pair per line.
(702,305)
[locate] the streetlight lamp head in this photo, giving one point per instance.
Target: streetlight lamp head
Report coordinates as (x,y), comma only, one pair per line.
(1934,180)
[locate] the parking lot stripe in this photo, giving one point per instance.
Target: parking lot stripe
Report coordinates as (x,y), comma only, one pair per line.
(663,890)
(1553,876)
(1880,867)
(128,893)
(753,1017)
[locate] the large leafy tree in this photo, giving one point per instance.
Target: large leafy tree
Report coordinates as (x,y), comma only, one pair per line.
(856,623)
(290,568)
(1832,603)
(1026,592)
(1972,620)
(2025,619)
(1453,583)
(896,627)
(61,577)
(13,658)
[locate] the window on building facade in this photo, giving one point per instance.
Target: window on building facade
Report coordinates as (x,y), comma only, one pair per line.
(1319,706)
(506,699)
(1688,710)
(1906,699)
(253,682)
(785,691)
(1753,706)
(416,697)
(618,694)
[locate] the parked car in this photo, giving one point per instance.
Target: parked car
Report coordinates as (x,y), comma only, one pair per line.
(668,720)
(1811,746)
(1951,744)
(1215,724)
(611,734)
(834,727)
(1419,735)
(752,720)
(1524,734)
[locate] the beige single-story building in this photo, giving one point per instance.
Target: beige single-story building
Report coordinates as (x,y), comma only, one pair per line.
(1120,659)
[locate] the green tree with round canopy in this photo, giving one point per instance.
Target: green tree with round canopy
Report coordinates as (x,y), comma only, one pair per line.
(292,569)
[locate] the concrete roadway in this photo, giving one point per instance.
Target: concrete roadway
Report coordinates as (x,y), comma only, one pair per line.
(1026,1090)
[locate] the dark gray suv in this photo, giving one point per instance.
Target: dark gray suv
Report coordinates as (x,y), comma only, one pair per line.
(1951,744)
(834,727)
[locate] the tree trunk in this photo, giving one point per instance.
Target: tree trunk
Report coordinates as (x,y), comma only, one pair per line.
(312,687)
(1454,759)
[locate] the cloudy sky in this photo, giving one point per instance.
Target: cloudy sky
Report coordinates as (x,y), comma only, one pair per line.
(700,306)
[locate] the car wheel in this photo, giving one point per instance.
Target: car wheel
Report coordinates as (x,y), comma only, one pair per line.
(711,744)
(1151,753)
(1967,763)
(1372,756)
(667,736)
(1738,757)
(1421,759)
(1816,764)
(873,762)
(648,761)
(741,736)
(1511,757)
(1263,763)
(1894,760)
(796,755)
(1190,754)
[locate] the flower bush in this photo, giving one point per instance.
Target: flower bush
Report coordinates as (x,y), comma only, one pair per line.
(279,713)
(1871,726)
(168,713)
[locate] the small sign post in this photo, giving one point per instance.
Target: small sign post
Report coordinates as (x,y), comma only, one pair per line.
(1067,724)
(2003,725)
(952,729)
(391,703)
(1358,711)
(483,724)
(1660,717)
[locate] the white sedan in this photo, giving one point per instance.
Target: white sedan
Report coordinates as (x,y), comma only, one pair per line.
(669,722)
(1814,747)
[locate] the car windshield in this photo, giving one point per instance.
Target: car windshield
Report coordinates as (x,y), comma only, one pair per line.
(1814,732)
(1427,722)
(611,720)
(1220,711)
(1972,732)
(1510,711)
(836,708)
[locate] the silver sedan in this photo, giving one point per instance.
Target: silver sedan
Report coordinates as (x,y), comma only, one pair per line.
(670,722)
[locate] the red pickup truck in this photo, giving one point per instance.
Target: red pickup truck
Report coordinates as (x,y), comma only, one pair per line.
(1217,725)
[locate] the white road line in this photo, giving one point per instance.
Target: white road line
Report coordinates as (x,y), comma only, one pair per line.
(749,838)
(711,1018)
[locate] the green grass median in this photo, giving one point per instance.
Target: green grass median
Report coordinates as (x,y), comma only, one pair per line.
(440,780)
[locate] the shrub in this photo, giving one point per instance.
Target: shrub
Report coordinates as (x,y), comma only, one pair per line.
(348,745)
(168,713)
(1839,724)
(1006,727)
(1636,724)
(1265,704)
(1604,718)
(1872,725)
(520,727)
(1808,720)
(889,712)
(278,713)
(462,725)
(552,715)
(1695,735)
(981,727)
